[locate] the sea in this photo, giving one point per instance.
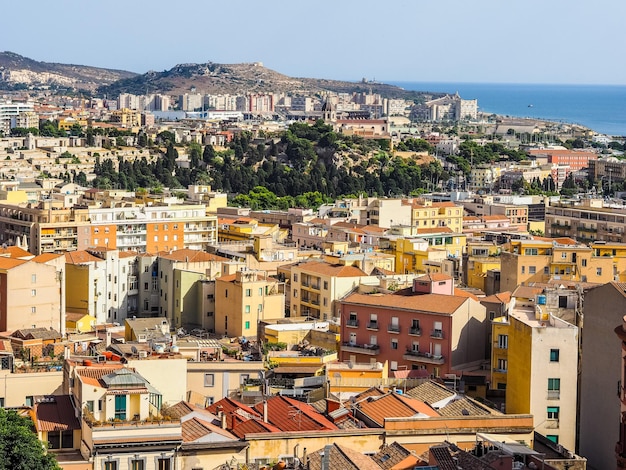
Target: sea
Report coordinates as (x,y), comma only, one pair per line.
(601,108)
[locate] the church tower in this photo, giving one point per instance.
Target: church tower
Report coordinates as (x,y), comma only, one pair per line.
(329,112)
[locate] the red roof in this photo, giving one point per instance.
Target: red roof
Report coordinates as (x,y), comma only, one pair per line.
(292,415)
(56,415)
(253,426)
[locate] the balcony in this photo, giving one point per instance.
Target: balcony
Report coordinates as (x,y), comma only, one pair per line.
(425,357)
(372,325)
(552,424)
(554,394)
(436,334)
(393,328)
(369,349)
(415,331)
(500,371)
(353,323)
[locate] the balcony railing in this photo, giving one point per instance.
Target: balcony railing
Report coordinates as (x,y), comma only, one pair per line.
(369,349)
(372,325)
(419,356)
(353,323)
(436,334)
(554,394)
(415,331)
(393,328)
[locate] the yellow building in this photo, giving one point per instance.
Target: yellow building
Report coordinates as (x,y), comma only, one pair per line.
(543,259)
(617,253)
(79,322)
(244,299)
(481,257)
(425,251)
(535,358)
(245,229)
(126,117)
(428,214)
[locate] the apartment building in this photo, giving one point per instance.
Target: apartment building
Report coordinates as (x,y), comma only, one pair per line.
(244,299)
(102,283)
(587,221)
(535,359)
(30,295)
(542,260)
(316,286)
(426,327)
(430,215)
(52,227)
(516,213)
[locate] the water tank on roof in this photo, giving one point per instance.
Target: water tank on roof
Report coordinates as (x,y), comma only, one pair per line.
(541,299)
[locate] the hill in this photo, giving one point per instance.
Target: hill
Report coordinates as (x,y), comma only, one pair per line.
(212,78)
(18,72)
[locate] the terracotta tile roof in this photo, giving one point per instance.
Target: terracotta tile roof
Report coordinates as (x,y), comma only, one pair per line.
(527,292)
(15,252)
(194,429)
(370,392)
(80,257)
(74,316)
(127,254)
(435,230)
(326,269)
(92,374)
(45,257)
(340,457)
(10,263)
(252,426)
(463,293)
(390,454)
(182,408)
(292,415)
(466,407)
(436,303)
(56,416)
(382,272)
(190,256)
(235,412)
(501,298)
(37,333)
(392,405)
(430,392)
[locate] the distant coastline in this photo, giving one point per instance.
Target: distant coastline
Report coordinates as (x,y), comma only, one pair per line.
(601,108)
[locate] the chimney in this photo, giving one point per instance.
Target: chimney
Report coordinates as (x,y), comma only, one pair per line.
(108,338)
(265,411)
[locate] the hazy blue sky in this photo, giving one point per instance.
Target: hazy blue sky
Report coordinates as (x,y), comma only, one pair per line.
(532,41)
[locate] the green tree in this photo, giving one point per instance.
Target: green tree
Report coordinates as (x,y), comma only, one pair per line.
(19,447)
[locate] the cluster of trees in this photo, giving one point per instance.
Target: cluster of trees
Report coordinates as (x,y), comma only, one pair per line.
(20,449)
(301,167)
(471,153)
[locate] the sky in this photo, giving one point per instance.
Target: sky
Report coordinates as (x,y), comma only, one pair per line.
(488,41)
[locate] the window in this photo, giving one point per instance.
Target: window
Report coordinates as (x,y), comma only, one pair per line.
(226,293)
(33,310)
(554,355)
(584,263)
(247,325)
(394,344)
(209,380)
(248,292)
(530,251)
(326,285)
(164,464)
(523,269)
(89,405)
(243,378)
(137,464)
(295,278)
(145,286)
(553,437)
(553,412)
(546,270)
(532,269)
(554,388)
(503,341)
(563,255)
(598,271)
(295,293)
(120,407)
(502,365)
(247,309)
(261,291)
(33,278)
(33,292)
(373,340)
(110,465)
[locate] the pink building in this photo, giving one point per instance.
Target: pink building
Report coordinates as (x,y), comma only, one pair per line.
(431,326)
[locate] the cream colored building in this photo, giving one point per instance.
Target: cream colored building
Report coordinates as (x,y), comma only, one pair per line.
(315,287)
(244,299)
